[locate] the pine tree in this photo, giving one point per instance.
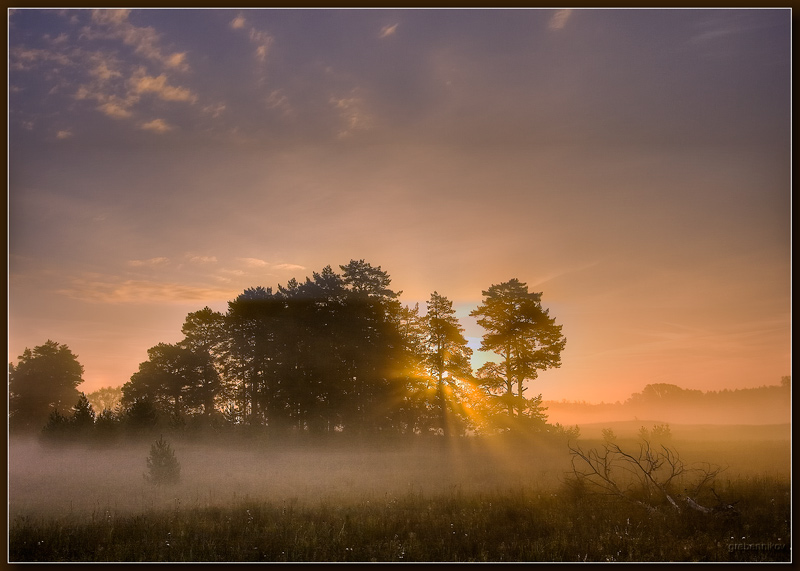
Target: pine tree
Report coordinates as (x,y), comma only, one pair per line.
(83,415)
(522,333)
(162,465)
(448,356)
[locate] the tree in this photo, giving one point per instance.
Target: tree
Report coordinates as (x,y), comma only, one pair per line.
(44,379)
(447,356)
(79,425)
(140,416)
(523,334)
(361,277)
(83,415)
(106,398)
(162,466)
(172,378)
(250,353)
(203,334)
(417,397)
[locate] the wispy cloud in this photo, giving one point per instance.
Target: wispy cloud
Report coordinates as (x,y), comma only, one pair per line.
(26,59)
(144,40)
(288,267)
(388,31)
(352,113)
(262,40)
(253,262)
(203,259)
(107,84)
(238,22)
(112,290)
(559,19)
(63,134)
(160,261)
(278,101)
(118,109)
(215,110)
(258,263)
(143,83)
(157,126)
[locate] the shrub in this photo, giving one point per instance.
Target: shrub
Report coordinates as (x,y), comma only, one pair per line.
(162,465)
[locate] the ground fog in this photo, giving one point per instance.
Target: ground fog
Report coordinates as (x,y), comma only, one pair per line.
(64,480)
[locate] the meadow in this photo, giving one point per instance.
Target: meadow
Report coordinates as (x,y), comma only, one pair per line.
(487,499)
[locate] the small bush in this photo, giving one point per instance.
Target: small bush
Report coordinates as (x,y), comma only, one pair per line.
(162,465)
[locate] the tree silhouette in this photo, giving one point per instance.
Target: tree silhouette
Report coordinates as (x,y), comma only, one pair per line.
(318,355)
(83,416)
(523,334)
(447,356)
(140,416)
(338,352)
(203,333)
(44,379)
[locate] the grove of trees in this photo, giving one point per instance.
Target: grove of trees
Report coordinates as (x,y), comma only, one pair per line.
(44,380)
(337,352)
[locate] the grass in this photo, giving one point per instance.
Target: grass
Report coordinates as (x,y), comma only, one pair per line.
(516,525)
(338,503)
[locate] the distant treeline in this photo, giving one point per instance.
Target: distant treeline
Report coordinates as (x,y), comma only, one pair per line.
(335,353)
(671,403)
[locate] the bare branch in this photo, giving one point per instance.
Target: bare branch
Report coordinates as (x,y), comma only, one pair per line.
(650,474)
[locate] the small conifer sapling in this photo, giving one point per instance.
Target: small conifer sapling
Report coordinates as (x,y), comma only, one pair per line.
(162,465)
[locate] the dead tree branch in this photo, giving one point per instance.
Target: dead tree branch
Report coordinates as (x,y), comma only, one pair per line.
(645,478)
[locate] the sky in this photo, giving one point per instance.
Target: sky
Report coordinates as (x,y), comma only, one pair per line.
(631,165)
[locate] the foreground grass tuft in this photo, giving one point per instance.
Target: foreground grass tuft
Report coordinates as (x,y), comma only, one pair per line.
(512,525)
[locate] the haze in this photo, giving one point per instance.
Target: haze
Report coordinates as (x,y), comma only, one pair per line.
(632,165)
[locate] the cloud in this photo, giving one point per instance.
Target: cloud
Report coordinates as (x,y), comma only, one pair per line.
(253,262)
(238,22)
(27,59)
(112,290)
(115,109)
(144,40)
(277,100)
(262,40)
(559,19)
(288,267)
(387,31)
(63,134)
(59,39)
(143,83)
(203,259)
(160,261)
(215,110)
(104,67)
(351,112)
(107,83)
(156,125)
(257,263)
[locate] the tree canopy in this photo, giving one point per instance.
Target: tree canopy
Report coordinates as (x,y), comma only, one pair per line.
(336,352)
(44,379)
(522,333)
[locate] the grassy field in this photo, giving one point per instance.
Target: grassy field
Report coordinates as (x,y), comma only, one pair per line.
(486,500)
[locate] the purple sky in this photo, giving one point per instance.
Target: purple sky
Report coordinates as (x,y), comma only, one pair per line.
(632,165)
